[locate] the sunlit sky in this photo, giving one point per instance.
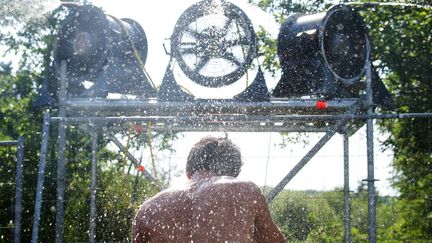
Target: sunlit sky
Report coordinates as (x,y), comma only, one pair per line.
(265,163)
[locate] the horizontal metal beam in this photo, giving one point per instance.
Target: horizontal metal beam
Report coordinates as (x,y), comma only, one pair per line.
(243,123)
(222,128)
(9,143)
(198,124)
(90,103)
(242,118)
(147,107)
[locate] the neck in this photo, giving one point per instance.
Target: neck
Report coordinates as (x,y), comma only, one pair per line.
(202,175)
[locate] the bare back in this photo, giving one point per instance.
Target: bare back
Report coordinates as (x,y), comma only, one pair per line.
(216,209)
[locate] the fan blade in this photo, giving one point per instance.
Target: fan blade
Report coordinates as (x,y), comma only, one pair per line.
(189,50)
(194,33)
(230,57)
(238,42)
(201,63)
(226,26)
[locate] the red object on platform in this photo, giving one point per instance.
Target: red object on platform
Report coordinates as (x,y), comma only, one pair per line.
(138,128)
(140,168)
(321,105)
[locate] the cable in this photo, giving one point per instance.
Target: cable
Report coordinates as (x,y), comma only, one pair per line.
(243,52)
(171,64)
(392,4)
(268,160)
(135,51)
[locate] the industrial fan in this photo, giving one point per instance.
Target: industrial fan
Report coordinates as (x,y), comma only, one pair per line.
(107,53)
(320,51)
(214,45)
(325,55)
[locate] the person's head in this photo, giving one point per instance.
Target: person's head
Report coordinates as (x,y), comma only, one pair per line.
(218,155)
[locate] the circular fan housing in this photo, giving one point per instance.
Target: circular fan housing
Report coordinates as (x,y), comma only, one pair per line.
(83,41)
(214,43)
(337,38)
(87,38)
(344,43)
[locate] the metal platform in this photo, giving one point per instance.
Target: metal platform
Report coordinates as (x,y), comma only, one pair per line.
(343,116)
(277,115)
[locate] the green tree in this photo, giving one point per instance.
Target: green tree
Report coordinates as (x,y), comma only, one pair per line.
(119,191)
(291,213)
(327,213)
(15,120)
(402,52)
(318,216)
(115,203)
(25,35)
(402,38)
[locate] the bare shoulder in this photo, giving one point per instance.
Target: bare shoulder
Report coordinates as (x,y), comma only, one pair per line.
(237,181)
(239,184)
(157,211)
(162,198)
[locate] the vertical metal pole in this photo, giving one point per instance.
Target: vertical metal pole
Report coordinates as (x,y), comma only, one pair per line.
(18,189)
(92,228)
(61,163)
(370,156)
(347,234)
(41,175)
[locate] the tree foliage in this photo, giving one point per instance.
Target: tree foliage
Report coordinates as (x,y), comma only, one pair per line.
(402,52)
(314,216)
(120,187)
(16,120)
(402,48)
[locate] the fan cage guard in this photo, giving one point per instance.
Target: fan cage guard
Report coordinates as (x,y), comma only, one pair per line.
(71,28)
(336,18)
(214,43)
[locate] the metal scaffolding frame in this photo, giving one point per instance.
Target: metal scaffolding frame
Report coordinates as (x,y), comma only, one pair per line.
(19,173)
(343,116)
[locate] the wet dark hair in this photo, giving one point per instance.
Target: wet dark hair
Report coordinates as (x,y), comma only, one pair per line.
(218,155)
